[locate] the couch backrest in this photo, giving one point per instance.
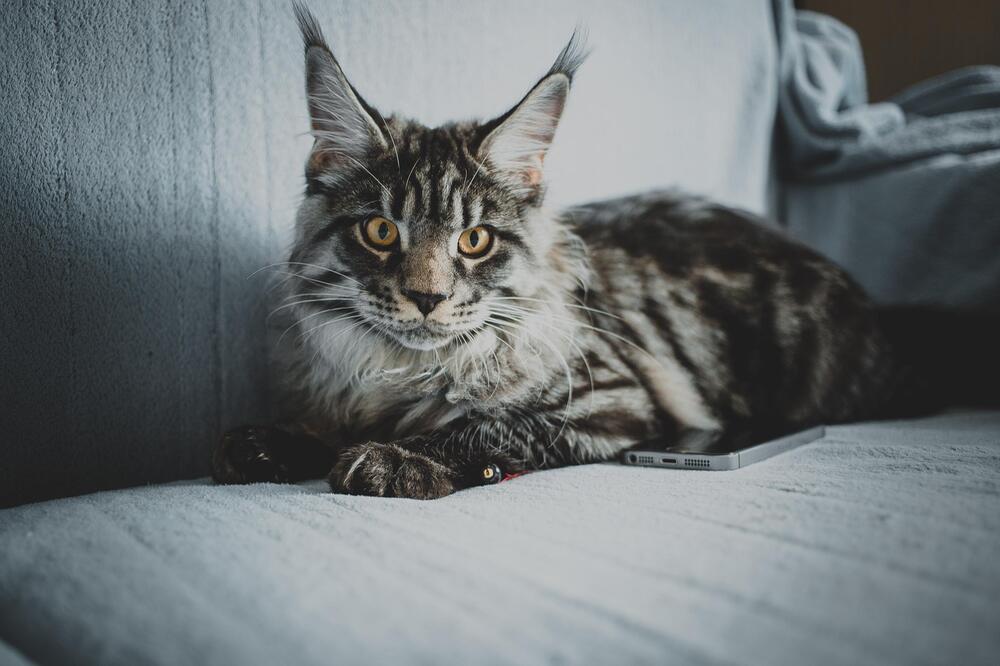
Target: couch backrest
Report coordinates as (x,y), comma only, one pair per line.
(152,157)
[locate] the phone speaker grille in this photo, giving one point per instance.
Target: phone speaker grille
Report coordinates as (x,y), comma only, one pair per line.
(690,462)
(645,460)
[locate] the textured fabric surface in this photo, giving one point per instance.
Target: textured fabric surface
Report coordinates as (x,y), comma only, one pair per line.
(903,194)
(152,156)
(875,545)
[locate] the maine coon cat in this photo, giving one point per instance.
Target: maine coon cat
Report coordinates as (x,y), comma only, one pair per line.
(443,319)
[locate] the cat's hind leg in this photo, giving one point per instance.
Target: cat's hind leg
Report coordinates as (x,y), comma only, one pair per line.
(276,454)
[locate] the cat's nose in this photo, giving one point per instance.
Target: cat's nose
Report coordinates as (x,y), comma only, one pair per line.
(425,302)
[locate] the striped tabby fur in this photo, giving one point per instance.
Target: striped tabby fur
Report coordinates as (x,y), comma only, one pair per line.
(578,333)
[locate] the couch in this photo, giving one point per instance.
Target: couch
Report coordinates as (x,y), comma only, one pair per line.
(152,162)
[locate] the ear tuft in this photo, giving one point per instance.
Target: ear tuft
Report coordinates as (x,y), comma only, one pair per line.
(312,33)
(518,140)
(572,55)
(342,123)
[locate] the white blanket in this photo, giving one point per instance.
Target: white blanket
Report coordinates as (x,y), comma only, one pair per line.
(877,544)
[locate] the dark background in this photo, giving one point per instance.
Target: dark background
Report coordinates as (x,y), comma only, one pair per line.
(906,41)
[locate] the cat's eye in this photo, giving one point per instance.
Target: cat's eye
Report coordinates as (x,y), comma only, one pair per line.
(475,242)
(380,232)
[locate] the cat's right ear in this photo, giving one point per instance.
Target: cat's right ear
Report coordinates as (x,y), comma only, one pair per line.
(343,124)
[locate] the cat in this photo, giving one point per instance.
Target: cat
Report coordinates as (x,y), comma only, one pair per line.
(445,322)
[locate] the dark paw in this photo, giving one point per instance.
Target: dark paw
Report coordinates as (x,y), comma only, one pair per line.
(245,455)
(386,470)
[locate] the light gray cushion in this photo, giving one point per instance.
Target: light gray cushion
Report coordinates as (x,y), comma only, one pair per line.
(877,544)
(152,156)
(927,232)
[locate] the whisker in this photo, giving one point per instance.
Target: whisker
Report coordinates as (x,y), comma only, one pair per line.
(314,280)
(363,167)
(412,169)
(581,324)
(496,386)
(315,314)
(569,385)
(353,326)
(304,301)
(399,169)
(325,269)
(569,305)
(497,330)
(583,357)
(480,168)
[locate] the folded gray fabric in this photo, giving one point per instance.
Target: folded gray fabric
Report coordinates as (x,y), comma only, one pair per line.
(832,131)
(903,194)
(966,89)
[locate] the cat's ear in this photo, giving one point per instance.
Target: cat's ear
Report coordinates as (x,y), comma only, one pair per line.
(343,124)
(517,141)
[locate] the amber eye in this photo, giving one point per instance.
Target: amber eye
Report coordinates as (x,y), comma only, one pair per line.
(380,232)
(475,242)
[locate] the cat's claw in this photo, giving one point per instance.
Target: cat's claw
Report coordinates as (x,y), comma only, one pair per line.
(387,470)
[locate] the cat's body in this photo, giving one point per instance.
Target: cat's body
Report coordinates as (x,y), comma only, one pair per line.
(705,319)
(442,320)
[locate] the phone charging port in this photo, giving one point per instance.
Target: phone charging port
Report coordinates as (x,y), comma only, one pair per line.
(669,461)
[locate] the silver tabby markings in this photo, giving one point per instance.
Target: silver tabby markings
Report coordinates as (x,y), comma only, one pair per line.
(441,318)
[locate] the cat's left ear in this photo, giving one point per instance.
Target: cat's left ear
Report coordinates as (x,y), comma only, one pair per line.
(516,142)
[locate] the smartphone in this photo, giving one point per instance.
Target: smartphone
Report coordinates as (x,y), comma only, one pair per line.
(714,450)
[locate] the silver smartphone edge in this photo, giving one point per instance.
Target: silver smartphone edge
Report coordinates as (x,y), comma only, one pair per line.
(724,461)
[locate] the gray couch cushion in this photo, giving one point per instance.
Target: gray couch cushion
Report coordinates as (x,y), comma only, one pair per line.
(923,233)
(876,544)
(152,156)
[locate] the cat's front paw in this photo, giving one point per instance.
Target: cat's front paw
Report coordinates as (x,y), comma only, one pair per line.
(245,455)
(387,470)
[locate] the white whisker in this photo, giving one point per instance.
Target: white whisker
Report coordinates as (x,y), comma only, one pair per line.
(325,269)
(304,301)
(569,305)
(569,383)
(412,169)
(374,177)
(315,314)
(480,168)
